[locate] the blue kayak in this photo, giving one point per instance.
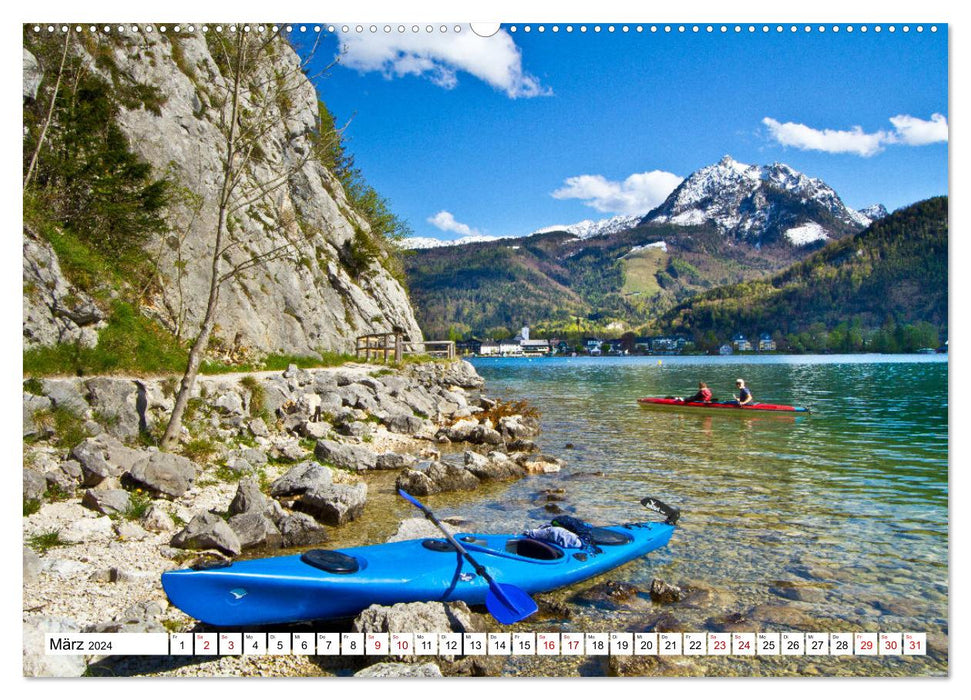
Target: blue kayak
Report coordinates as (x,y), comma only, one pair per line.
(331,584)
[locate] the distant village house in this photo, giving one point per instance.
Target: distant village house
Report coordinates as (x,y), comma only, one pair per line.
(741,343)
(766,344)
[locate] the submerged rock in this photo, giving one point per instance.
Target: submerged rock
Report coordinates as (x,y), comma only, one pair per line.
(611,595)
(663,593)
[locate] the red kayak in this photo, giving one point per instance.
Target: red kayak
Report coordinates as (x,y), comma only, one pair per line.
(652,402)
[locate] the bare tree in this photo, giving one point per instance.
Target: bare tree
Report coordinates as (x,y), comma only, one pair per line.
(50,113)
(245,59)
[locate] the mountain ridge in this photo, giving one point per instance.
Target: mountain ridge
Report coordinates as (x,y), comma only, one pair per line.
(760,205)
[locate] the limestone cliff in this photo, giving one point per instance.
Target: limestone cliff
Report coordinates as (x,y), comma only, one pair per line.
(309,300)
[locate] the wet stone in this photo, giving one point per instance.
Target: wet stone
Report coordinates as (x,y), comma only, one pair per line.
(665,593)
(779,617)
(666,621)
(729,622)
(899,607)
(551,608)
(804,594)
(610,595)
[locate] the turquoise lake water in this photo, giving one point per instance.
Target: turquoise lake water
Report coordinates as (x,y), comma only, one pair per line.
(836,521)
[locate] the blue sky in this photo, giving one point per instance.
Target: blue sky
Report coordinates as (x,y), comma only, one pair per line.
(507,134)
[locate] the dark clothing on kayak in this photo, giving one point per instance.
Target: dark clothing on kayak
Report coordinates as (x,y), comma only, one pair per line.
(744,397)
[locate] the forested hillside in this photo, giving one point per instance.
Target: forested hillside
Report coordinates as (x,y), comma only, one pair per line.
(887,285)
(547,280)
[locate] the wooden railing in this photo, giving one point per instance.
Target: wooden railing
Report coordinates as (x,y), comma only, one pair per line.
(385,346)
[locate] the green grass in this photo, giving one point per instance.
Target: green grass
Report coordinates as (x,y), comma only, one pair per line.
(46,540)
(129,343)
(138,504)
(257,397)
(67,426)
(231,476)
(640,271)
(173,625)
(31,506)
(199,449)
(55,493)
(279,362)
(265,481)
(82,264)
(33,386)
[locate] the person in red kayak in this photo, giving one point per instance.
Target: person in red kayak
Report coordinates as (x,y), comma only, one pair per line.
(744,395)
(703,395)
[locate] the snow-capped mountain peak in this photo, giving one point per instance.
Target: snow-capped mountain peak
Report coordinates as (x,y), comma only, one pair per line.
(423,242)
(874,212)
(759,204)
(589,228)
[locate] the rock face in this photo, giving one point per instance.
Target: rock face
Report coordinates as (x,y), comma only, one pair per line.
(54,310)
(32,76)
(304,301)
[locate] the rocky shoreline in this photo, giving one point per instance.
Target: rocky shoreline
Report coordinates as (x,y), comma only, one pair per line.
(266,461)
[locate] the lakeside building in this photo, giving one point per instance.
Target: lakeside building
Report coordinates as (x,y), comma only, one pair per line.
(535,347)
(472,346)
(592,346)
(524,346)
(741,343)
(510,347)
(488,348)
(668,345)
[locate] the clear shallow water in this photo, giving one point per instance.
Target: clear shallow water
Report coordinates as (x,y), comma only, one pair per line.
(835,521)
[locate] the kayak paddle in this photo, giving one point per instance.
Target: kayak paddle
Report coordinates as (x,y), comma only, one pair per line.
(505,602)
(670,513)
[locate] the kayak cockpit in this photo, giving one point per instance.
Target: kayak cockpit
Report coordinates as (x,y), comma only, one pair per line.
(514,547)
(534,549)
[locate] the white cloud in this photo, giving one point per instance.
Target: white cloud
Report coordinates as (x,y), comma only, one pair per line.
(445,221)
(908,130)
(495,60)
(917,132)
(828,140)
(637,194)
